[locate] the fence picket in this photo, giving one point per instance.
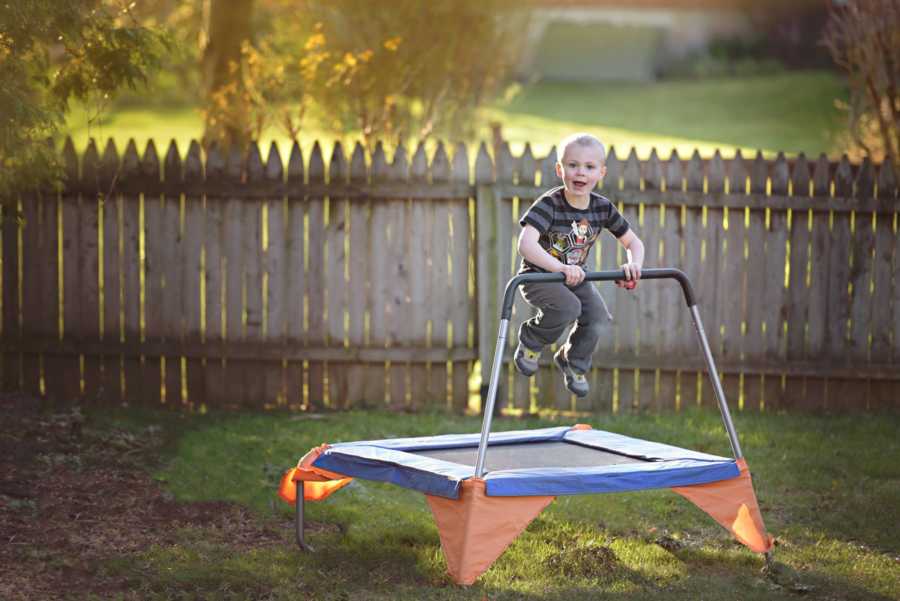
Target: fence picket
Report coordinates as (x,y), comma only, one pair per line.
(398,279)
(461,260)
(895,304)
(797,293)
(88,320)
(32,208)
(886,322)
(131,269)
(506,265)
(192,247)
(216,282)
(435,289)
(708,229)
(887,182)
(841,392)
(233,251)
(314,280)
(486,216)
(153,266)
(294,300)
(426,250)
(334,271)
(253,372)
(732,277)
(110,387)
(359,269)
(380,289)
(862,272)
(171,267)
(11,325)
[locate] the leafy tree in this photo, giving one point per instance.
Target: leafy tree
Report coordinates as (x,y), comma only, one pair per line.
(227,102)
(863,37)
(51,52)
(409,67)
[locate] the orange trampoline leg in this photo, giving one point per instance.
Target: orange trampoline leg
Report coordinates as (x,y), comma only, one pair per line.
(476,529)
(733,504)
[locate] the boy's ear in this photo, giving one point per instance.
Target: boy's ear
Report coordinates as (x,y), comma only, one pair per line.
(559,170)
(602,170)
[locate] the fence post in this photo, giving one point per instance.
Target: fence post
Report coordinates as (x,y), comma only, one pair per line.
(486,268)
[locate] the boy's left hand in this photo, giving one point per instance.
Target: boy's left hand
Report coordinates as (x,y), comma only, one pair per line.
(632,275)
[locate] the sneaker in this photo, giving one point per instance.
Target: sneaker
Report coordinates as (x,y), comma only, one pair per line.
(575,382)
(526,360)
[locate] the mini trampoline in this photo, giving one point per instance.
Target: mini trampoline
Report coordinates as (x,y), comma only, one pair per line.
(484,489)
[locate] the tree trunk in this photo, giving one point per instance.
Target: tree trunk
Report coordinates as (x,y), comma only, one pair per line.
(226,119)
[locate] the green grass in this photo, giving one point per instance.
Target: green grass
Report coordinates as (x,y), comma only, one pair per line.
(792,112)
(827,486)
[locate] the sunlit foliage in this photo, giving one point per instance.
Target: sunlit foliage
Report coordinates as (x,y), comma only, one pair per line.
(51,52)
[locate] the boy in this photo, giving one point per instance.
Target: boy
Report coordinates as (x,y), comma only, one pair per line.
(558,231)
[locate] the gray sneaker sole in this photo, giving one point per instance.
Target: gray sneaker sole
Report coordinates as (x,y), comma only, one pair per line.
(569,375)
(525,370)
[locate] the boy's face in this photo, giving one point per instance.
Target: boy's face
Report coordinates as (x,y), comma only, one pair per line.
(580,168)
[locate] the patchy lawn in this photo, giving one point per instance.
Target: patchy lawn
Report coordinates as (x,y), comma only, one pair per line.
(140,504)
(76,499)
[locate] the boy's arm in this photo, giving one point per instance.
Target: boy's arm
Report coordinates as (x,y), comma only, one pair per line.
(532,251)
(632,267)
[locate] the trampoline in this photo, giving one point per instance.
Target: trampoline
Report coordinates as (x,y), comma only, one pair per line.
(485,488)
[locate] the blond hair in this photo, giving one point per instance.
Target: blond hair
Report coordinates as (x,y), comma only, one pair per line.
(581,139)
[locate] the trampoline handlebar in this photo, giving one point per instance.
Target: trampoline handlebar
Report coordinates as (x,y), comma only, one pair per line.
(598,276)
(595,276)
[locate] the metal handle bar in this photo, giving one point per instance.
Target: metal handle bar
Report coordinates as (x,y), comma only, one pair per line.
(594,276)
(599,276)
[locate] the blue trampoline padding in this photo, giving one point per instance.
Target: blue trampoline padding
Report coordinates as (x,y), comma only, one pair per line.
(605,479)
(395,461)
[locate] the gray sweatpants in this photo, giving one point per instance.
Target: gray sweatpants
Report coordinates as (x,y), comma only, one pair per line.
(557,306)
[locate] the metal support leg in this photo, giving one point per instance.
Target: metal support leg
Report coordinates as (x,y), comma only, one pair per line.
(298,518)
(491,397)
(717,384)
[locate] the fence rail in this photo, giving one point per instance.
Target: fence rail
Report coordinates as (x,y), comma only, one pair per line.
(232,280)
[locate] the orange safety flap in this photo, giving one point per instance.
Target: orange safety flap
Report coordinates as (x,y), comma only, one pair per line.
(318,484)
(475,529)
(582,427)
(733,504)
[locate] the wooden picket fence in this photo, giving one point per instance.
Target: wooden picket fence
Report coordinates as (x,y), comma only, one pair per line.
(210,280)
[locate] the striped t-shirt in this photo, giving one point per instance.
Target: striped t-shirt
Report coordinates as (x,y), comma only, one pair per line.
(568,233)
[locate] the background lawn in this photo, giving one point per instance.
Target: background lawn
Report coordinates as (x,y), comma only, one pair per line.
(828,489)
(793,112)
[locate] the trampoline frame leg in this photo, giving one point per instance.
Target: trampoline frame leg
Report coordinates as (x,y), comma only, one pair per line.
(299,525)
(492,396)
(717,384)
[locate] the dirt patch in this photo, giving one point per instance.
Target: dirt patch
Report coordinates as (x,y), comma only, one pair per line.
(73,497)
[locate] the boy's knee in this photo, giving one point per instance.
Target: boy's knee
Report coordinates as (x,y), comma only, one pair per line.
(570,308)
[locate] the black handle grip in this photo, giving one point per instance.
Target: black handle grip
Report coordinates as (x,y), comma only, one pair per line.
(596,276)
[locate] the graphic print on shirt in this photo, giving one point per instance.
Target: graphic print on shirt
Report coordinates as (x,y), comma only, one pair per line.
(572,247)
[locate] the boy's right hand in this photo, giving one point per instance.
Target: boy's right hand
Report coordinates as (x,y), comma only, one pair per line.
(574,275)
